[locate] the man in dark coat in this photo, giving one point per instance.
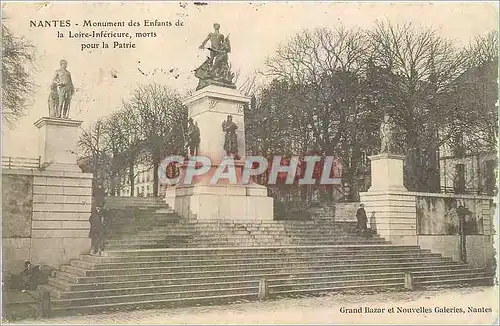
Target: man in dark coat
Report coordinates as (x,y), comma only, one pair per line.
(362,219)
(96,233)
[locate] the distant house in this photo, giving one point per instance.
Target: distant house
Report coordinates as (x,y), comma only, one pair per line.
(469,174)
(143,183)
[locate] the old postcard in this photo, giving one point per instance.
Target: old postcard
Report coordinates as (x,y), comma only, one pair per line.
(249,162)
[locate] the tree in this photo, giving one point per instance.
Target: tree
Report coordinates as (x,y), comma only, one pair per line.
(17,55)
(326,64)
(162,122)
(418,67)
(118,143)
(474,98)
(326,68)
(94,157)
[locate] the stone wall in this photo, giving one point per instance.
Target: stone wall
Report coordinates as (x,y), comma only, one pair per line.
(44,217)
(61,210)
(438,215)
(17,207)
(479,248)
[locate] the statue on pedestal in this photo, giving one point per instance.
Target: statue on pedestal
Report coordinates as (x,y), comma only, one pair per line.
(230,140)
(193,137)
(216,69)
(386,138)
(61,92)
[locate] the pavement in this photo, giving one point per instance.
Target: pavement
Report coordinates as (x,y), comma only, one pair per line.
(472,305)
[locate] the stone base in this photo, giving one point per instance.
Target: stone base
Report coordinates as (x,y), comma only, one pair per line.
(387,172)
(57,144)
(60,220)
(221,202)
(395,217)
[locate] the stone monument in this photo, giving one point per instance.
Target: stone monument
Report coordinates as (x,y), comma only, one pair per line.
(62,194)
(58,134)
(387,197)
(216,101)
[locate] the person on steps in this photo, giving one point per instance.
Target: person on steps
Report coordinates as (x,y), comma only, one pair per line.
(96,233)
(362,220)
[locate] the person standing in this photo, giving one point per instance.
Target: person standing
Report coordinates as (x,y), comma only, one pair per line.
(96,233)
(362,219)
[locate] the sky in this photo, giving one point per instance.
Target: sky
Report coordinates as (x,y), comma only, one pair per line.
(104,78)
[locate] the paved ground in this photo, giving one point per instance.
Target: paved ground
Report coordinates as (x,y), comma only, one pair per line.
(319,310)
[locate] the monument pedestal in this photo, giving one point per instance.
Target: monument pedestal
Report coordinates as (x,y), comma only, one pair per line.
(209,107)
(62,196)
(57,144)
(394,206)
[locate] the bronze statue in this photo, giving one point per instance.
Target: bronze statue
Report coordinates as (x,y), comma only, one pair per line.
(216,68)
(386,141)
(230,140)
(61,92)
(193,137)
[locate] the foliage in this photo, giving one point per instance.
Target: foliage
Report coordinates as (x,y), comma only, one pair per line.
(17,56)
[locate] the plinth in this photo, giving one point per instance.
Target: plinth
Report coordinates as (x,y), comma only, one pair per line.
(387,172)
(62,196)
(394,206)
(57,144)
(202,199)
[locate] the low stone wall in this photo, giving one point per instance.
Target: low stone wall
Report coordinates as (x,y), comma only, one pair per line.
(45,217)
(17,209)
(479,248)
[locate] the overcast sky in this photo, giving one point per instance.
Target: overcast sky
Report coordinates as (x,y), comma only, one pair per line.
(256,30)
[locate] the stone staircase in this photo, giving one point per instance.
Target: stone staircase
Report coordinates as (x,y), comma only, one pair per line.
(153,259)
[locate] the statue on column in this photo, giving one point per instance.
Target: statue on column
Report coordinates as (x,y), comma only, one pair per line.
(386,137)
(193,137)
(230,140)
(216,68)
(61,92)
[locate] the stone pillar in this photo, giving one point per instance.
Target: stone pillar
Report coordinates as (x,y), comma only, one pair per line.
(394,206)
(62,196)
(57,143)
(209,107)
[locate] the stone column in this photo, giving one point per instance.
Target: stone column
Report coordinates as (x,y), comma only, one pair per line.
(394,207)
(62,196)
(209,107)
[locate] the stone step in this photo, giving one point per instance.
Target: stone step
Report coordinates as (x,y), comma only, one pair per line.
(199,239)
(146,276)
(251,289)
(229,244)
(249,261)
(260,250)
(274,285)
(212,296)
(420,275)
(321,264)
(256,255)
(201,299)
